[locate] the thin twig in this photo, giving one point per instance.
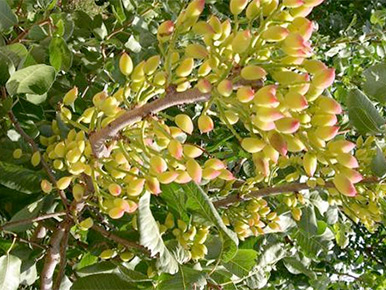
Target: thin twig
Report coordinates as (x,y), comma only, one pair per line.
(35,148)
(25,32)
(19,7)
(30,221)
(270,191)
(118,239)
(21,240)
(212,286)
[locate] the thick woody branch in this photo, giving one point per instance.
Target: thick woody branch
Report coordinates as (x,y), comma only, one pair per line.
(171,99)
(271,191)
(53,255)
(62,254)
(57,250)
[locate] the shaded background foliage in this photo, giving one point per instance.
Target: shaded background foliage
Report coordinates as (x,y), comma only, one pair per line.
(82,40)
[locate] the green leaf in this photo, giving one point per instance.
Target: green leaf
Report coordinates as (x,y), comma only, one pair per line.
(175,200)
(60,54)
(185,279)
(20,178)
(200,203)
(52,4)
(29,273)
(314,246)
(36,99)
(308,221)
(242,263)
(7,68)
(105,267)
(332,214)
(16,52)
(341,235)
(133,45)
(180,253)
(151,238)
(88,259)
(316,200)
(9,272)
(132,275)
(35,79)
(30,211)
(37,33)
(118,10)
(362,113)
(102,282)
(5,106)
(378,164)
(7,17)
(12,201)
(271,254)
(375,84)
(221,276)
(295,266)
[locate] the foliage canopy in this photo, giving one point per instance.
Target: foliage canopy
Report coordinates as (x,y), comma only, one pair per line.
(192,145)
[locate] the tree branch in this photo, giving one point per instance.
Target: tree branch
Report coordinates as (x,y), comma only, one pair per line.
(119,240)
(57,250)
(53,256)
(271,191)
(171,99)
(30,221)
(35,148)
(21,240)
(62,254)
(26,31)
(98,138)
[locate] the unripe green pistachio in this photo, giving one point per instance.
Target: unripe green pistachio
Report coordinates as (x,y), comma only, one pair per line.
(125,64)
(253,72)
(78,192)
(36,158)
(107,254)
(225,88)
(64,182)
(253,9)
(185,68)
(192,151)
(275,33)
(184,122)
(194,170)
(46,186)
(237,6)
(310,163)
(126,256)
(252,144)
(151,64)
(17,153)
(205,124)
(165,30)
(86,224)
(241,41)
(196,51)
(70,96)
